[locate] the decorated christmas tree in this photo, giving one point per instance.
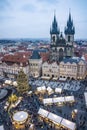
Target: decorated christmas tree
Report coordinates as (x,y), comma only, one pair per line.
(22,83)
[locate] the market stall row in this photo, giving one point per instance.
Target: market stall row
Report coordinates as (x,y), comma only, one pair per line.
(59,100)
(57,120)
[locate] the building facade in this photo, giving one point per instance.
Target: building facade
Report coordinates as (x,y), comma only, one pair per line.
(50,70)
(10,66)
(35,64)
(73,68)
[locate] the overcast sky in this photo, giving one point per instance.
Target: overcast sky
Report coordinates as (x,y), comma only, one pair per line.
(33,18)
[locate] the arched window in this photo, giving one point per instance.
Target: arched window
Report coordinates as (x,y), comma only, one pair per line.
(54,39)
(68,38)
(60,54)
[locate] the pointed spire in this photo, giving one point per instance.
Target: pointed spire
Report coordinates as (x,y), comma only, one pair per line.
(54,29)
(69,14)
(69,29)
(54,15)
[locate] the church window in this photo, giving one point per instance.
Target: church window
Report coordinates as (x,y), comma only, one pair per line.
(54,39)
(68,38)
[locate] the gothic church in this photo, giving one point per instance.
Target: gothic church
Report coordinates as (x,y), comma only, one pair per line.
(61,47)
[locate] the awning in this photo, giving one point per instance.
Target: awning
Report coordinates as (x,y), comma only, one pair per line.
(62,79)
(45,77)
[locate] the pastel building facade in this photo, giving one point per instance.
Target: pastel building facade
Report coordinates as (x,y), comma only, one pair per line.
(35,64)
(73,68)
(50,70)
(11,64)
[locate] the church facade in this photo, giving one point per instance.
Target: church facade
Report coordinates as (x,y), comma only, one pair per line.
(61,47)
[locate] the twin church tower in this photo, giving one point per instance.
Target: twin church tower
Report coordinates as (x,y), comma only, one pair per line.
(62,47)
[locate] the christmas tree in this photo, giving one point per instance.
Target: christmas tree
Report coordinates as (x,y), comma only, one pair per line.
(22,82)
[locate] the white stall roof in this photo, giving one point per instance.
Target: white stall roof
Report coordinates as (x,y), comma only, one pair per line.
(57,119)
(68,124)
(58,90)
(39,89)
(43,88)
(20,116)
(49,89)
(8,81)
(1,127)
(85,94)
(15,83)
(69,98)
(54,118)
(47,101)
(43,112)
(58,99)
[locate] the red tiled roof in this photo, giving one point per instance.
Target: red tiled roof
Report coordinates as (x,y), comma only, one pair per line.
(44,56)
(9,59)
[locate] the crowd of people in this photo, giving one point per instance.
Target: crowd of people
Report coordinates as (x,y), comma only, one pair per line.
(31,103)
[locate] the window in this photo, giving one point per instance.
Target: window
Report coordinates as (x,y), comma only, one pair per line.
(54,39)
(68,38)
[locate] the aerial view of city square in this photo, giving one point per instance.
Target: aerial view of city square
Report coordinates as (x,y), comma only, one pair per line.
(43,65)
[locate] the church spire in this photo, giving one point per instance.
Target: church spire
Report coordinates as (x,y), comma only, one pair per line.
(69,29)
(54,29)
